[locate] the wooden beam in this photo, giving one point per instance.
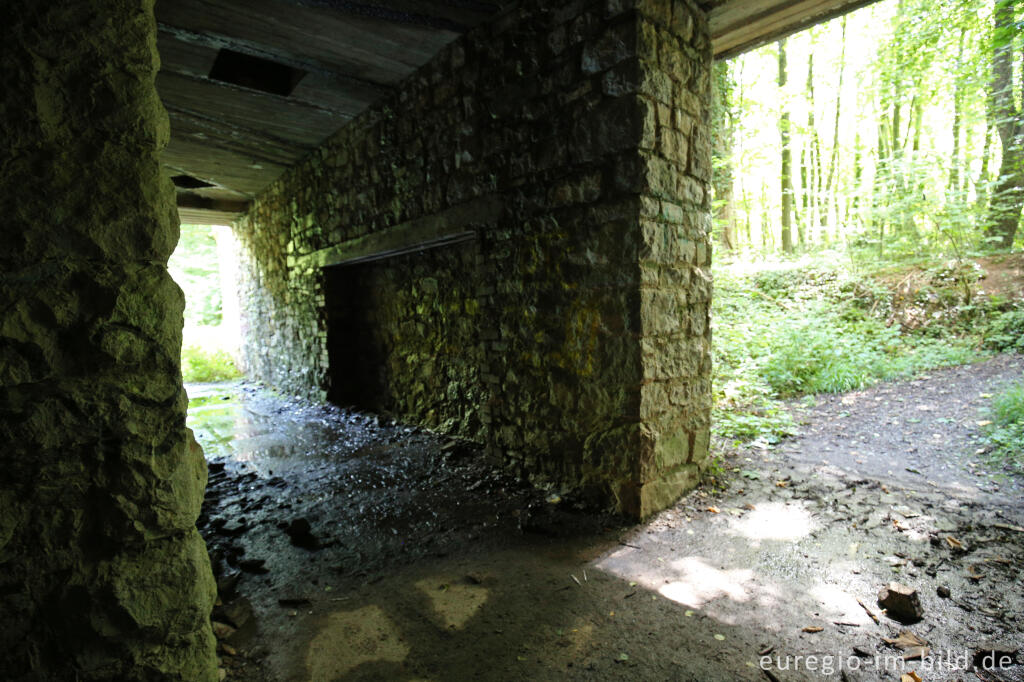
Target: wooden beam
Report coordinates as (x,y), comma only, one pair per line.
(192,54)
(252,144)
(228,168)
(738,26)
(452,226)
(366,49)
(448,16)
(197,210)
(293,122)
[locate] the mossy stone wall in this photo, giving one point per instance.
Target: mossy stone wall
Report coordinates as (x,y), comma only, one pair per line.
(570,337)
(103,575)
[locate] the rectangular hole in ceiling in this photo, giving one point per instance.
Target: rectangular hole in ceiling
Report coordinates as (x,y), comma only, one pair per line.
(188,182)
(255,73)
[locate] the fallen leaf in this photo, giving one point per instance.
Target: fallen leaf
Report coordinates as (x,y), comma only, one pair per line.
(905,640)
(713,510)
(910,677)
(983,422)
(622,657)
(953,542)
(720,638)
(973,574)
(916,652)
(781,484)
(749,507)
(813,628)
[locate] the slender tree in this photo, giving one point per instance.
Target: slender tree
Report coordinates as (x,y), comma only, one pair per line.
(786,174)
(832,205)
(1008,193)
(723,123)
(955,162)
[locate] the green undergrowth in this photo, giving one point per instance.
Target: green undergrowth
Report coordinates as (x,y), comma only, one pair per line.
(206,355)
(787,329)
(1005,435)
(202,365)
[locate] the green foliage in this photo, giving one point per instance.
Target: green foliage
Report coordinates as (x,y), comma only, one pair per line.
(194,267)
(199,365)
(1006,331)
(205,354)
(893,129)
(787,330)
(1005,435)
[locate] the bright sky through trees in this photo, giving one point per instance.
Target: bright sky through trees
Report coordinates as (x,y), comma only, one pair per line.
(916,153)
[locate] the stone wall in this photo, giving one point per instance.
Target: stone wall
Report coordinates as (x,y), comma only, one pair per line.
(570,140)
(103,575)
(402,337)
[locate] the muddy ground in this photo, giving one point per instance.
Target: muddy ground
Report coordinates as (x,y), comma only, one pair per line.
(351,548)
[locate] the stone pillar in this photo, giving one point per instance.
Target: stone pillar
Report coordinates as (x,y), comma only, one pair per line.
(103,575)
(675,249)
(632,380)
(571,337)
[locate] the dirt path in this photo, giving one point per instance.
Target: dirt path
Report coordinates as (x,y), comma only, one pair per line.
(401,585)
(923,432)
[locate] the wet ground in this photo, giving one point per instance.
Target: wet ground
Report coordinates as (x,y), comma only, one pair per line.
(348,547)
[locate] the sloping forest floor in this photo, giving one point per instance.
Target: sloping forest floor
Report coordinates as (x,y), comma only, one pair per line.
(349,547)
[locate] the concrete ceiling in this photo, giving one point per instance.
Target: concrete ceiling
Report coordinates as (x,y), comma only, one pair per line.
(252,86)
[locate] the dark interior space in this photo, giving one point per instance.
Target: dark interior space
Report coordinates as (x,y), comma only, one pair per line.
(356,352)
(402,337)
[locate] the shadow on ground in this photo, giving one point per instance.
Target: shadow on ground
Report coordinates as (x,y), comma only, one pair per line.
(353,549)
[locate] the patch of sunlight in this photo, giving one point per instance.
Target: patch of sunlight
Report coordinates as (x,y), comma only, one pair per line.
(839,603)
(457,603)
(698,583)
(350,639)
(774,521)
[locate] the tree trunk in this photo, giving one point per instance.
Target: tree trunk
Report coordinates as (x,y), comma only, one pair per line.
(1008,193)
(982,186)
(833,206)
(787,160)
(724,139)
(955,166)
(804,211)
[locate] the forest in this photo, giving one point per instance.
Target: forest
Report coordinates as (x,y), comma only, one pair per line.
(896,130)
(868,185)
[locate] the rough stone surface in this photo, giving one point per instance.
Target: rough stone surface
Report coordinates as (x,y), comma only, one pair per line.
(571,336)
(103,575)
(901,603)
